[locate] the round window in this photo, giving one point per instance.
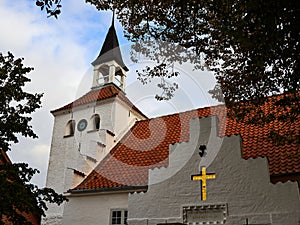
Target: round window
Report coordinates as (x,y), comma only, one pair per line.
(82,124)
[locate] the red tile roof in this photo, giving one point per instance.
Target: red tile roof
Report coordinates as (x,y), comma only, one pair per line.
(106,92)
(146,146)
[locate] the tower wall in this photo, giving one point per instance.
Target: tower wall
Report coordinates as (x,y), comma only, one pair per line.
(73,156)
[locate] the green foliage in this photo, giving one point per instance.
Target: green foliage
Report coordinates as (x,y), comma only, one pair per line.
(18,195)
(16,104)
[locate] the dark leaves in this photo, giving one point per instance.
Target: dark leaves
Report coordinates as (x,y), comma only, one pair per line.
(163,72)
(16,104)
(20,195)
(53,7)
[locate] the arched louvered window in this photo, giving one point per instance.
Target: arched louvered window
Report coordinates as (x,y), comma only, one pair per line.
(95,122)
(70,128)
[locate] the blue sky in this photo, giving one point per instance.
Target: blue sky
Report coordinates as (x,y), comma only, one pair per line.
(61,51)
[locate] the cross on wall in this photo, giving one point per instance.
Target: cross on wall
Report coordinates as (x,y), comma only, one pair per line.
(202,178)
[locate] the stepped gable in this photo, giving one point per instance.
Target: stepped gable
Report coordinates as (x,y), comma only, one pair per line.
(146,146)
(96,95)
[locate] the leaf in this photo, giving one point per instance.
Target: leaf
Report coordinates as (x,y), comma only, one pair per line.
(39,3)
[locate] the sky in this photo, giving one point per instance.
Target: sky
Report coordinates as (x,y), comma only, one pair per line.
(61,51)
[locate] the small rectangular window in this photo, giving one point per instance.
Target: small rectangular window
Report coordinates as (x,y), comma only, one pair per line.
(125,217)
(119,217)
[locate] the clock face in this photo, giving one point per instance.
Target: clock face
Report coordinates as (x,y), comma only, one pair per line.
(82,124)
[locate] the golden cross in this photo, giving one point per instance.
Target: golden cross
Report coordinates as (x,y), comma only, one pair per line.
(203,177)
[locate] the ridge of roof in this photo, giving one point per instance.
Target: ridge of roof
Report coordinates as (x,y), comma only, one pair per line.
(95,95)
(188,111)
(137,151)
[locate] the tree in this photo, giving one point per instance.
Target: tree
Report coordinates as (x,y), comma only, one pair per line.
(20,196)
(16,104)
(252,46)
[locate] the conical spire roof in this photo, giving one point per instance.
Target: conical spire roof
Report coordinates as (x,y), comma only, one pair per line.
(110,49)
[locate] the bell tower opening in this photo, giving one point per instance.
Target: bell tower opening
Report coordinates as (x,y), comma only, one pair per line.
(109,73)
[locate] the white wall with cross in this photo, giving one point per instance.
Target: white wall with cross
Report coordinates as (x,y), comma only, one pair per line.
(241,189)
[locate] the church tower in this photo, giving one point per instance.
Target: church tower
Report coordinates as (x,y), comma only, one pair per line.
(109,66)
(86,129)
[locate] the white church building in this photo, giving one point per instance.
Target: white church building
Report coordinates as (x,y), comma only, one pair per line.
(117,166)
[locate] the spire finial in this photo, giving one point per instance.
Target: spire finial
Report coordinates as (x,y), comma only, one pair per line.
(111,43)
(113,18)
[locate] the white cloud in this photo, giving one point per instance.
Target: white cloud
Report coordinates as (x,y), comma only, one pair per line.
(17,31)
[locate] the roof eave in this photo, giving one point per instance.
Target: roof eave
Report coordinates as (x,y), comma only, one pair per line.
(109,189)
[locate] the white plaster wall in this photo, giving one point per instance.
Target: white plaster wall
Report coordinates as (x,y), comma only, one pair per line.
(123,118)
(57,164)
(93,209)
(243,185)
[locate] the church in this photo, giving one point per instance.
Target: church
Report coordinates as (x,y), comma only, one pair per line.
(117,166)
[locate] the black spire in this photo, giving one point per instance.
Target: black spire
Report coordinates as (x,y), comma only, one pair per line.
(110,49)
